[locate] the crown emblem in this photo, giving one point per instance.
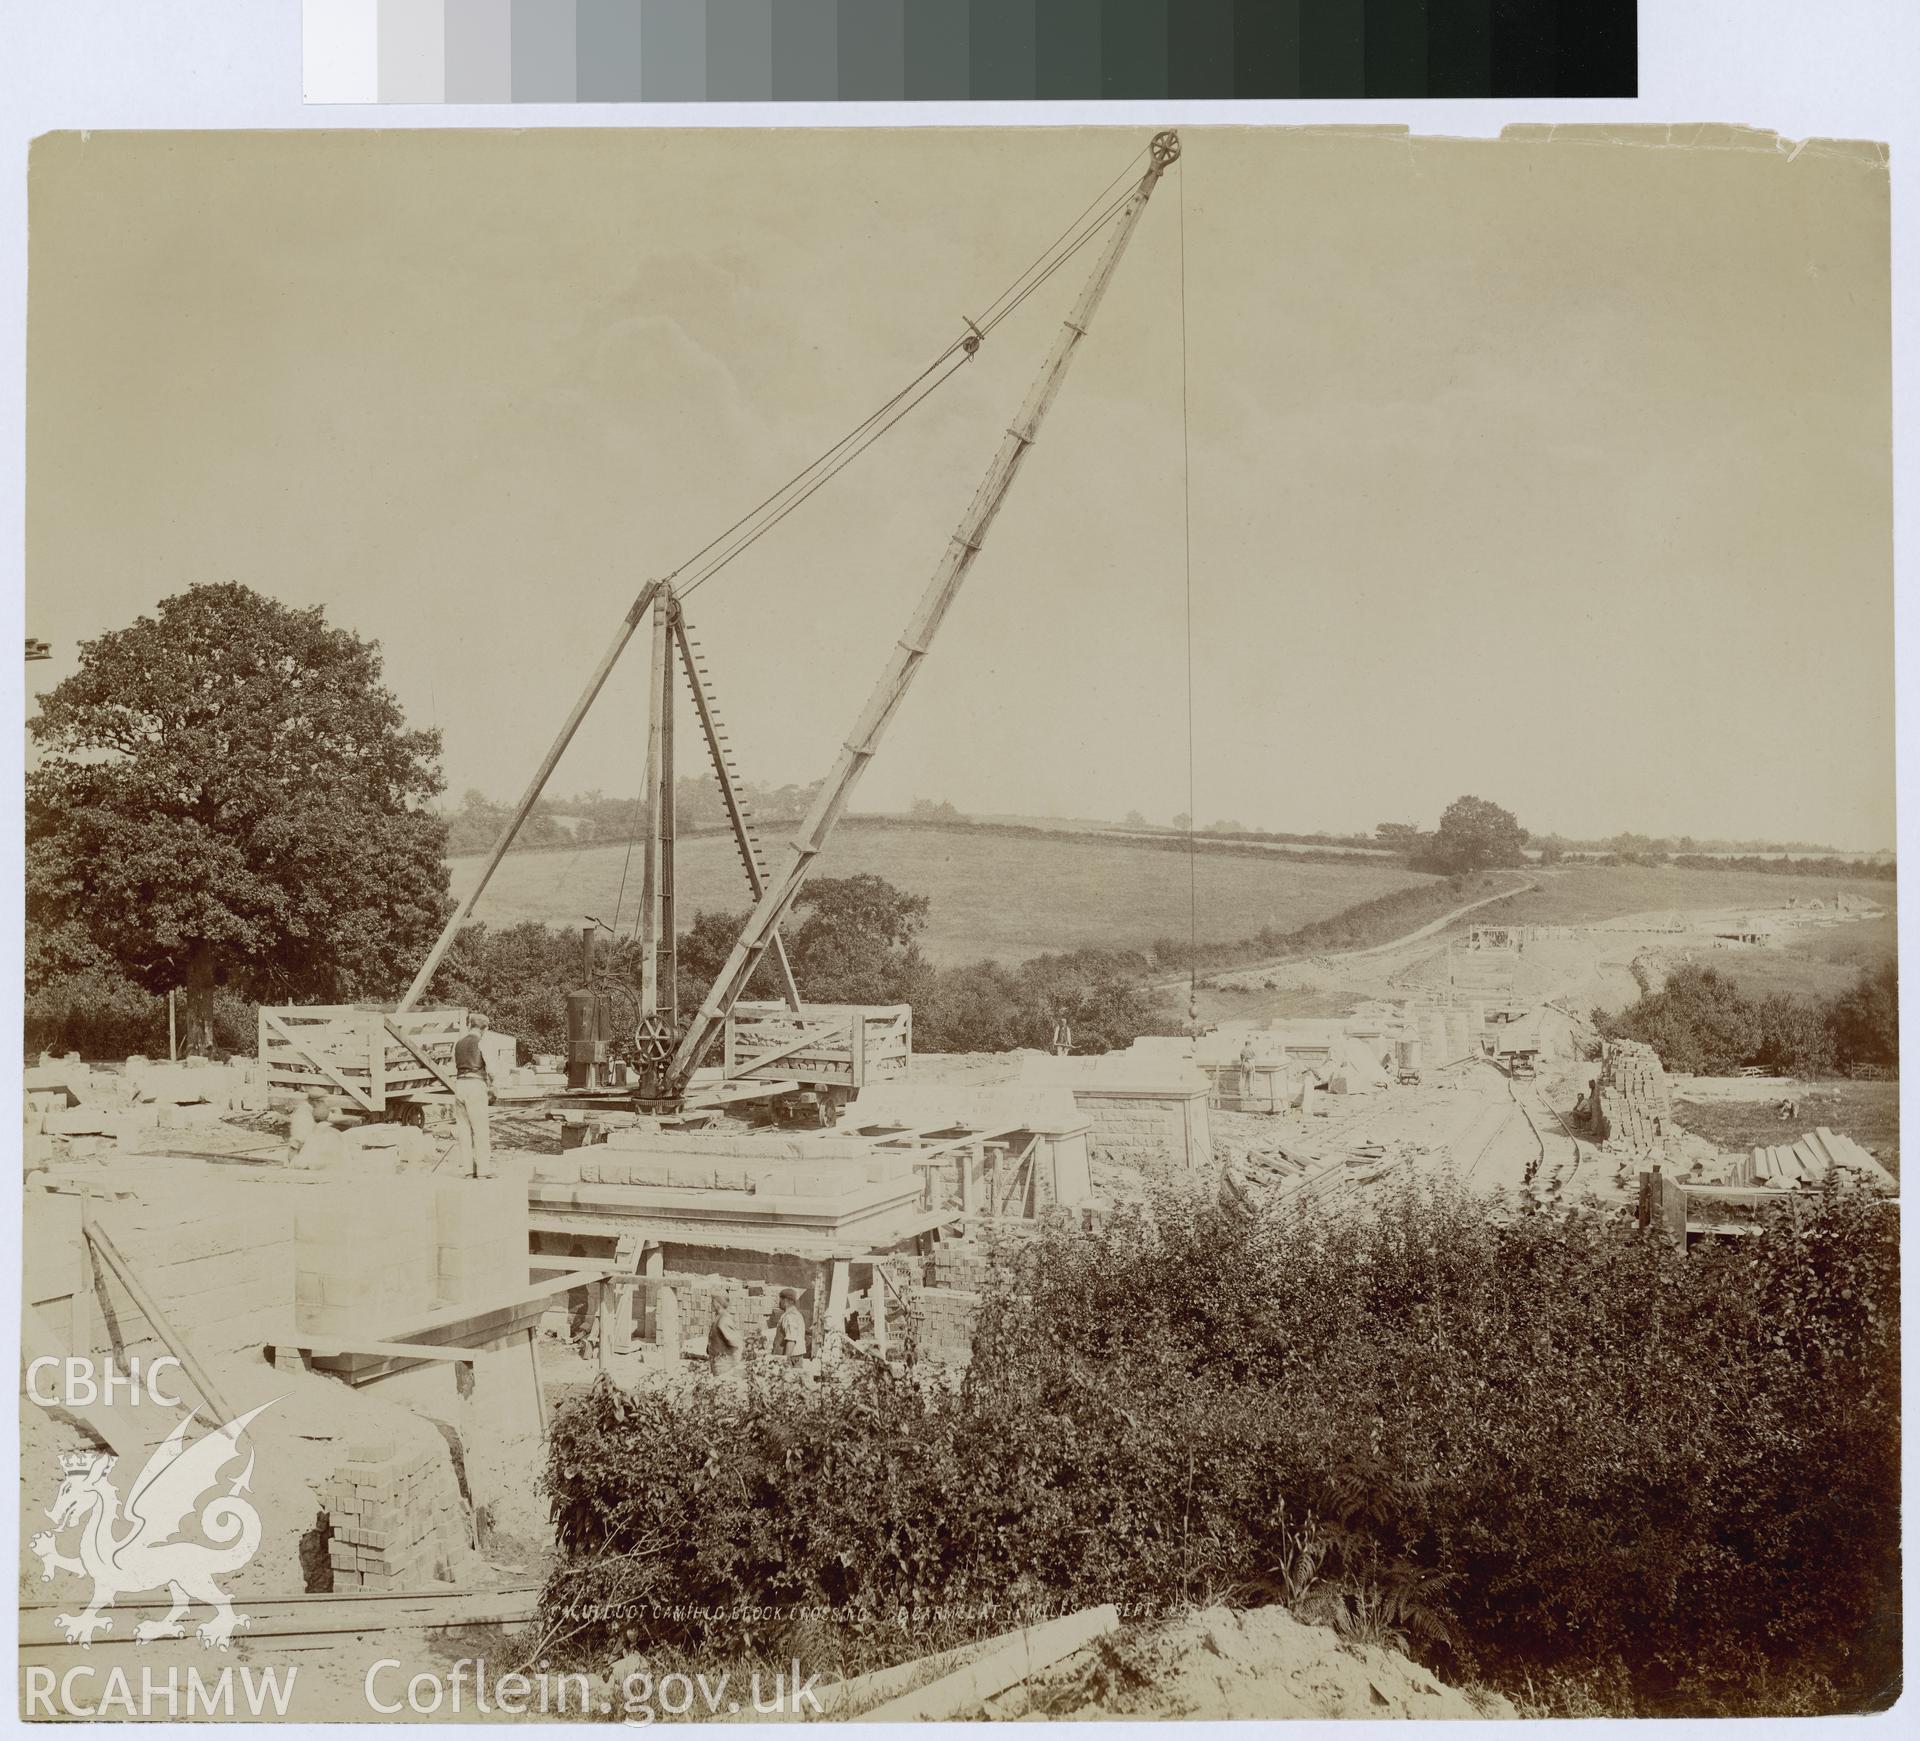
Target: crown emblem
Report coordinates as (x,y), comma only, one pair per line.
(79,1462)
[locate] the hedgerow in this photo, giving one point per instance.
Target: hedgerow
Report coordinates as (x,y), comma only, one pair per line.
(1545,1452)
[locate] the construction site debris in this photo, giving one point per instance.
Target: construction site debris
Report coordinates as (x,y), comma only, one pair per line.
(1257,1664)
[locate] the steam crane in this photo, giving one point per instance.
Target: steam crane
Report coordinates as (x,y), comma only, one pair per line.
(667,1053)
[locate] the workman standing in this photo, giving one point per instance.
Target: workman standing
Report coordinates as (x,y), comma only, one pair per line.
(723,1339)
(790,1334)
(474,1089)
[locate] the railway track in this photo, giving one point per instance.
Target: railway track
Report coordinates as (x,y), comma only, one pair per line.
(1540,1103)
(1480,1137)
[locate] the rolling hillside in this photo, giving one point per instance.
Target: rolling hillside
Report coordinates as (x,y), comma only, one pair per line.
(1004,896)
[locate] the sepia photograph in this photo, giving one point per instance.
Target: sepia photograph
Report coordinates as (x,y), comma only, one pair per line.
(959,923)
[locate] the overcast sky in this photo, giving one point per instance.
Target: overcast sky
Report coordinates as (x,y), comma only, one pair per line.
(1555,472)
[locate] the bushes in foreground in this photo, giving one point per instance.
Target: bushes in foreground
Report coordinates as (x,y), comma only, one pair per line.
(1547,1452)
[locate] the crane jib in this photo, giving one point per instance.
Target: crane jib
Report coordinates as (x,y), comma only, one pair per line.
(910,651)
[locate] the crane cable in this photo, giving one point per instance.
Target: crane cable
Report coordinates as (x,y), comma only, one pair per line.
(1186,534)
(761,519)
(836,459)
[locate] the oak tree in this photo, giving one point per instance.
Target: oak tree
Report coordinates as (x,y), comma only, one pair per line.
(227,793)
(1475,834)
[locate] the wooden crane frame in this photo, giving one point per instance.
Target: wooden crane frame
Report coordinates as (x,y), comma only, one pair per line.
(670,1055)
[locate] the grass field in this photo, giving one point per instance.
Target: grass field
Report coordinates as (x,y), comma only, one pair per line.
(1004,897)
(1821,963)
(1869,1112)
(1582,894)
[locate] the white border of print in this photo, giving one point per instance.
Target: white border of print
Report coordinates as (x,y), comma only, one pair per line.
(1839,68)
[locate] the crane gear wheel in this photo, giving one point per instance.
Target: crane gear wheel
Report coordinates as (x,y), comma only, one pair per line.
(652,1041)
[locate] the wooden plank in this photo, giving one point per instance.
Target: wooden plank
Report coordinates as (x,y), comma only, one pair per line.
(80,1320)
(838,1289)
(439,1075)
(1006,1662)
(157,1320)
(329,1348)
(821,1035)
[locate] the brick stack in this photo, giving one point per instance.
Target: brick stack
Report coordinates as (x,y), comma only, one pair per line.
(480,1239)
(396,1521)
(1634,1099)
(960,1263)
(942,1321)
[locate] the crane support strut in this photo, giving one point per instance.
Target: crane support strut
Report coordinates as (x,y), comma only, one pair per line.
(911,650)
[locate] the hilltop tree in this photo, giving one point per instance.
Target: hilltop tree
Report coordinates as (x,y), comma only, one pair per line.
(227,794)
(1477,835)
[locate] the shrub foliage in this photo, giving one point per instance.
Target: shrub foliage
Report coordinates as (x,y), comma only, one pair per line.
(1546,1451)
(1700,1021)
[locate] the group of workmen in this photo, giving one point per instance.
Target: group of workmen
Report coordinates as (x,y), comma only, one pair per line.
(726,1346)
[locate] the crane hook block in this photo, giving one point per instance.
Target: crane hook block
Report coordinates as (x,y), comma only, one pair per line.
(1165,148)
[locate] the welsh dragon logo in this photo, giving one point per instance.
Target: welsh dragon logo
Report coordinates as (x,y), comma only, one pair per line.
(148,1546)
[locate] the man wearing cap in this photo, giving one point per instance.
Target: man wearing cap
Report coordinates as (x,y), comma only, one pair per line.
(473,1088)
(790,1334)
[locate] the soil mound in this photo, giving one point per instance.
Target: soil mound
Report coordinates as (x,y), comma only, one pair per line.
(1260,1663)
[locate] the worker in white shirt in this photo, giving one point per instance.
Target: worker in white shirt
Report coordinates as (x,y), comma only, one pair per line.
(473,1087)
(790,1333)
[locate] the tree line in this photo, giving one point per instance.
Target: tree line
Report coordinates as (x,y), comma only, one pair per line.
(594,819)
(852,940)
(227,801)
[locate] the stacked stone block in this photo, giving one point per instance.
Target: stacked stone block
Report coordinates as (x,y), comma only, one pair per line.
(961,1264)
(1633,1098)
(480,1239)
(374,1252)
(366,1254)
(943,1321)
(1174,1131)
(396,1521)
(224,1281)
(825,1174)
